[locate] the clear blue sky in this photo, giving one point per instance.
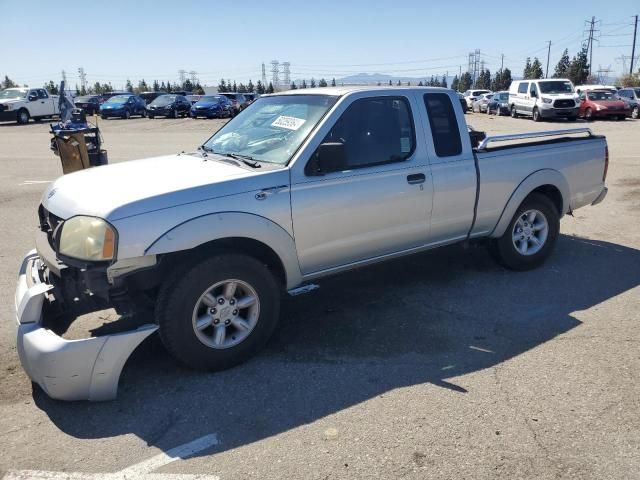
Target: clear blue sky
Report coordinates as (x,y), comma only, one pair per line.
(115,40)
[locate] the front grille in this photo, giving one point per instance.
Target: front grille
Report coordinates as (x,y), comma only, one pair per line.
(564,104)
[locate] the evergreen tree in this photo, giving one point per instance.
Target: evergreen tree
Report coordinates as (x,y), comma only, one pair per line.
(465,82)
(97,88)
(526,73)
(333,82)
(379,84)
(259,88)
(235,87)
(156,86)
(8,83)
(270,88)
(304,84)
(399,83)
(312,83)
(579,67)
(242,88)
(562,68)
(251,87)
(51,87)
(443,83)
(142,86)
(420,84)
(322,83)
(163,87)
(506,79)
(390,83)
(187,85)
(293,86)
(408,83)
(129,86)
(222,86)
(455,83)
(169,87)
(536,69)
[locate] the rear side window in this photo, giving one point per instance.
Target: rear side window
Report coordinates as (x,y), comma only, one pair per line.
(444,124)
(523,87)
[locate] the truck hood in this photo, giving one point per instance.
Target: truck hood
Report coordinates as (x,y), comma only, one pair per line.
(5,101)
(132,188)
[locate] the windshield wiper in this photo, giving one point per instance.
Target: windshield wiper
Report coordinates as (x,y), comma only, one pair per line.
(246,159)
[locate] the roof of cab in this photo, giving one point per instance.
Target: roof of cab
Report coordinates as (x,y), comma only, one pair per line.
(344,90)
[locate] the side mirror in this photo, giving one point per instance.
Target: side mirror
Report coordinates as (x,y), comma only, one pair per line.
(33,97)
(329,157)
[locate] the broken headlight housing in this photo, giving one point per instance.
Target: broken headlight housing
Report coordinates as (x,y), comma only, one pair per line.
(87,238)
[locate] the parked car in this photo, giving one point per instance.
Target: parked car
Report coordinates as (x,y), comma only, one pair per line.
(123,106)
(149,97)
(238,101)
(356,172)
(106,96)
(499,103)
(169,105)
(581,88)
(251,97)
(21,104)
(212,106)
(472,95)
(602,104)
(480,105)
(631,96)
(194,98)
(543,99)
(89,104)
(463,102)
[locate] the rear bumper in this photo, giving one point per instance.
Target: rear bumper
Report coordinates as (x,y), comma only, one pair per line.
(86,369)
(600,197)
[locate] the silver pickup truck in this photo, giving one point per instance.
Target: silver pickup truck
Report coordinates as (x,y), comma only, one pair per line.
(298,186)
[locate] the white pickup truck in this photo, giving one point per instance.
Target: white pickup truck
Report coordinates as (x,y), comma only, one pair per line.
(21,104)
(298,186)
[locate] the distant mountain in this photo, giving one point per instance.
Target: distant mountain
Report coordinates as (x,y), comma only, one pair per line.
(374,78)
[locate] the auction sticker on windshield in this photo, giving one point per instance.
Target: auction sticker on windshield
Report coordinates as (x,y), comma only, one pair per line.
(290,123)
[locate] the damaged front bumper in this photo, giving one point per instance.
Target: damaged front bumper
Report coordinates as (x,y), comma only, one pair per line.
(86,369)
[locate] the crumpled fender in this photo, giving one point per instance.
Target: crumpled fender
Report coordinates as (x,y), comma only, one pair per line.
(215,226)
(528,185)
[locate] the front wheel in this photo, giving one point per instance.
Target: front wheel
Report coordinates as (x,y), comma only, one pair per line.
(635,113)
(588,114)
(218,313)
(530,236)
(175,114)
(127,115)
(536,115)
(22,116)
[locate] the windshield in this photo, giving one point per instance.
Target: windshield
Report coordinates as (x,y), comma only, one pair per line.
(637,90)
(118,99)
(477,93)
(85,99)
(13,93)
(600,95)
(209,98)
(272,128)
(555,87)
(164,100)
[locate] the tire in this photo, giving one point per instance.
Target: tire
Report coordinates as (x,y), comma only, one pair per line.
(506,252)
(127,115)
(588,114)
(180,304)
(174,114)
(514,112)
(635,113)
(488,112)
(22,116)
(151,116)
(103,117)
(143,114)
(536,115)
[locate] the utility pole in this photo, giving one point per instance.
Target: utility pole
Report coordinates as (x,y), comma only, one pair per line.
(546,73)
(502,62)
(590,43)
(83,78)
(633,46)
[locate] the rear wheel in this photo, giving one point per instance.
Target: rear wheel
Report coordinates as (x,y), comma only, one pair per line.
(218,313)
(175,113)
(635,113)
(104,117)
(514,112)
(531,235)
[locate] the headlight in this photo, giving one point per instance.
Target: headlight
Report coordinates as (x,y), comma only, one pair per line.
(88,238)
(547,100)
(600,107)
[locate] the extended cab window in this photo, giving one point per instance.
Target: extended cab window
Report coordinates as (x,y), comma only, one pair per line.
(534,90)
(444,124)
(375,131)
(42,93)
(522,88)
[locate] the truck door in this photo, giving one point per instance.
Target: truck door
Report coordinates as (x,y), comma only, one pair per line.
(43,105)
(452,169)
(378,201)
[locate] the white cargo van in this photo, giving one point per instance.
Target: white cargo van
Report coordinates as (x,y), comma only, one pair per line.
(543,98)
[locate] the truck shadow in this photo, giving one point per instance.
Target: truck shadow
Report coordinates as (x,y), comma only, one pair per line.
(425,319)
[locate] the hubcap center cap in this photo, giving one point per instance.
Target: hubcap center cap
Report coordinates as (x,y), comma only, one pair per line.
(527,231)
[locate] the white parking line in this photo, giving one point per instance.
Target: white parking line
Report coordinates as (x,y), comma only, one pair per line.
(140,470)
(34,182)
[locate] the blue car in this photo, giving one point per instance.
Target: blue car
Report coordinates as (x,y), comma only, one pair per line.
(123,106)
(212,106)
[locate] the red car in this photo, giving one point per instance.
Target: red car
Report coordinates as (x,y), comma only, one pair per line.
(602,104)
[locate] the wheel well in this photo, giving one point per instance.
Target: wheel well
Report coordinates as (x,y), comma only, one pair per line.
(247,246)
(553,194)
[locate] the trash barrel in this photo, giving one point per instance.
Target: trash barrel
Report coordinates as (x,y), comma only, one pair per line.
(78,146)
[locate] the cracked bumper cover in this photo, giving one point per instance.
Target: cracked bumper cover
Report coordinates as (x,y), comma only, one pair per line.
(86,369)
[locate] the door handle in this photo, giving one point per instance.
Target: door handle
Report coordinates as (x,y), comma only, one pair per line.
(416,178)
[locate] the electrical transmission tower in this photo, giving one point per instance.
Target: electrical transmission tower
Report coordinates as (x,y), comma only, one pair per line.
(286,73)
(474,64)
(275,72)
(182,74)
(83,79)
(193,76)
(264,75)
